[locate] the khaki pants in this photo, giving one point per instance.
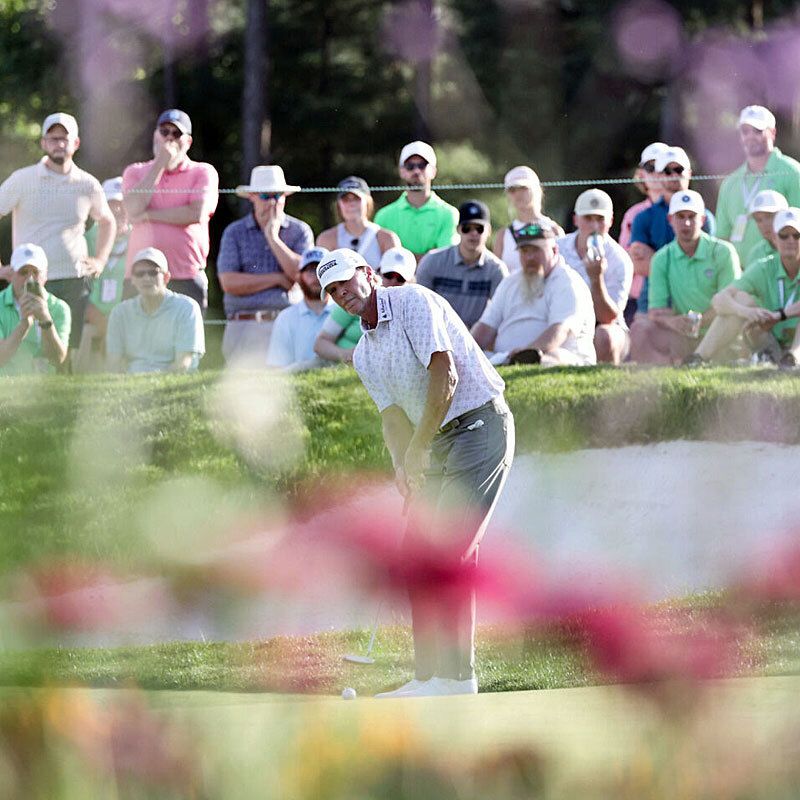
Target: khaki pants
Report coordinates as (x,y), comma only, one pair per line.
(245,343)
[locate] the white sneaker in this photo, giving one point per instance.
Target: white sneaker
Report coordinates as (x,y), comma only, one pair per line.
(450,686)
(407,688)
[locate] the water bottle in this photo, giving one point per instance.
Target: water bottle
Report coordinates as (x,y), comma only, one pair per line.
(595,249)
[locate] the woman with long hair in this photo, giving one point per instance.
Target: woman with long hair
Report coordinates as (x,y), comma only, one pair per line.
(354,208)
(524,193)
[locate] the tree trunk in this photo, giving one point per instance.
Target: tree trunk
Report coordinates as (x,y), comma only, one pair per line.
(255,126)
(422,80)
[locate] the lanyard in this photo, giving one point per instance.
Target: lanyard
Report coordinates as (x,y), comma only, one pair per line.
(782,292)
(748,197)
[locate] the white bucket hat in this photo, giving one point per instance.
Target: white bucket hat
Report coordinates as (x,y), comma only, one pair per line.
(269,180)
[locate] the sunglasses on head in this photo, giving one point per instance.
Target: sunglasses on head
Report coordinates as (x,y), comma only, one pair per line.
(789,235)
(649,167)
(467,227)
(410,166)
(394,276)
(678,170)
(150,272)
(270,195)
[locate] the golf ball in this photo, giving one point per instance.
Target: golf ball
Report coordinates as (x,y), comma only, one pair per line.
(348,693)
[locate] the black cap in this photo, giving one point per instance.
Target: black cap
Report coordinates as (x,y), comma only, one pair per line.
(533,231)
(180,119)
(473,210)
(353,185)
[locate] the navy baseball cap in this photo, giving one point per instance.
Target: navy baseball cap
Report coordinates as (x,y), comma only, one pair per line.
(180,119)
(473,210)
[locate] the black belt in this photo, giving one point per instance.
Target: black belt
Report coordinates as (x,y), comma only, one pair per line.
(268,315)
(497,404)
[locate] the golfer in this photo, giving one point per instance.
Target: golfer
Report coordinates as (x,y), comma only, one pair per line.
(451,438)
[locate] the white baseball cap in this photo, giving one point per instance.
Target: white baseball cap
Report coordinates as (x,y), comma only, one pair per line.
(788,218)
(650,153)
(154,256)
(399,260)
(687,201)
(60,118)
(520,176)
(768,200)
(594,201)
(676,155)
(340,265)
(112,189)
(421,149)
(27,254)
(757,117)
(314,255)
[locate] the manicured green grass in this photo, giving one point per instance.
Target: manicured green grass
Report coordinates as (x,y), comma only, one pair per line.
(508,659)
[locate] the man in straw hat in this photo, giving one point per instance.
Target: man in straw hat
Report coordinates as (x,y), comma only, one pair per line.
(170,201)
(258,263)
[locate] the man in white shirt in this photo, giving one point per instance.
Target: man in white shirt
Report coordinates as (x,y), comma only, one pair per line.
(543,314)
(50,203)
(451,439)
(607,269)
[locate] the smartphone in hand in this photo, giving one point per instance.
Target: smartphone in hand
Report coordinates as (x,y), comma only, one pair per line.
(32,286)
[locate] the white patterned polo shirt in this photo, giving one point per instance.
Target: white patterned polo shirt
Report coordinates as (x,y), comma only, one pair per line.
(392,359)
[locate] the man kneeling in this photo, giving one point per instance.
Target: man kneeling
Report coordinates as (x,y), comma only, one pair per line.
(764,303)
(158,331)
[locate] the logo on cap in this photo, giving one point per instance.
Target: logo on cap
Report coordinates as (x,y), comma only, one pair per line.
(323,268)
(686,198)
(594,202)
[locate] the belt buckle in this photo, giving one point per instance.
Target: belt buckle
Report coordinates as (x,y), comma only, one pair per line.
(257,316)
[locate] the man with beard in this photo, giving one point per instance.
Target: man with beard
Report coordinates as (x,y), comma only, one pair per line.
(170,201)
(419,216)
(451,439)
(765,167)
(50,203)
(291,346)
(543,314)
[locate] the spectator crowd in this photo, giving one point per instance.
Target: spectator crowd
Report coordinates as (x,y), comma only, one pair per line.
(127,290)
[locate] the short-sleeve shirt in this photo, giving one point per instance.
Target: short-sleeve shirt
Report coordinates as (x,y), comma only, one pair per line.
(107,289)
(392,359)
(420,229)
(761,249)
(294,333)
(185,246)
(151,342)
(768,282)
(466,287)
(687,283)
(651,227)
(244,249)
(519,320)
(344,326)
(618,274)
(28,357)
(738,190)
(50,209)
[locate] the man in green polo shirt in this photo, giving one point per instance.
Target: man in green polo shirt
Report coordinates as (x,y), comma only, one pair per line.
(764,303)
(763,209)
(765,167)
(684,277)
(421,219)
(34,324)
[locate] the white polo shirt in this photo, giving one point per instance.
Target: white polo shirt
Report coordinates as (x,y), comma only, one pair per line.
(392,359)
(618,274)
(51,210)
(565,298)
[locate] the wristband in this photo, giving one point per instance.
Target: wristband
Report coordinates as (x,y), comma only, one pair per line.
(782,312)
(45,325)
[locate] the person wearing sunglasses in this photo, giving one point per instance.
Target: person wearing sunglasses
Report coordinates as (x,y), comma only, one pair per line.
(684,277)
(258,264)
(398,267)
(170,201)
(764,167)
(468,273)
(354,208)
(159,330)
(651,229)
(648,182)
(764,304)
(421,219)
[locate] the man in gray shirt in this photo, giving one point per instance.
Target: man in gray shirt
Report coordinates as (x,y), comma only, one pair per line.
(467,273)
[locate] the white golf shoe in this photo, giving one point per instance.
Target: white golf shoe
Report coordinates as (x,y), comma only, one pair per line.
(407,688)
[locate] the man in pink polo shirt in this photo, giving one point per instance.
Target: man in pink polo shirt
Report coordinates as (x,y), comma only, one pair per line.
(169,201)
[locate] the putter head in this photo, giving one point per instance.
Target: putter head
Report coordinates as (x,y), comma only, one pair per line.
(356,659)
